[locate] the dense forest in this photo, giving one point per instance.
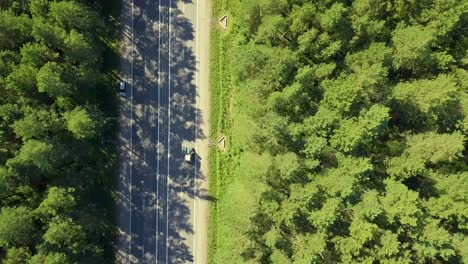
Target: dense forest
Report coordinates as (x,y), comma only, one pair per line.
(56,126)
(354,116)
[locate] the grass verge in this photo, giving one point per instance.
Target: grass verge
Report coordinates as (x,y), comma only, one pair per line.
(218,125)
(233,178)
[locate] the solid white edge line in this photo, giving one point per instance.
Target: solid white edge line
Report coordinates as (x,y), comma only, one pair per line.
(159,116)
(197,61)
(131,147)
(168,137)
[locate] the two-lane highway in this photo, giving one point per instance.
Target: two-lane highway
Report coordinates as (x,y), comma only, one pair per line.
(162,200)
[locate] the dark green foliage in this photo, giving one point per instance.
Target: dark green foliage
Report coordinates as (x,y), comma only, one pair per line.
(56,150)
(14,30)
(363,106)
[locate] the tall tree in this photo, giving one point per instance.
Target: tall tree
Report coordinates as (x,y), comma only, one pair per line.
(49,80)
(16,227)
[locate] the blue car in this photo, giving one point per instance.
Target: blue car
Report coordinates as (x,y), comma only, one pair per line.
(123,89)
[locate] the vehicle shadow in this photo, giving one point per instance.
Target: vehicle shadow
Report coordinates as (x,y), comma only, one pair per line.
(163,110)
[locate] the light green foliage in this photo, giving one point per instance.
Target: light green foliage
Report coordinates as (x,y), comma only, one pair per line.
(302,18)
(323,122)
(400,204)
(64,233)
(361,131)
(376,53)
(369,207)
(428,95)
(36,124)
(461,77)
(272,237)
(314,146)
(22,79)
(318,47)
(362,231)
(37,55)
(50,258)
(58,200)
(363,107)
(297,203)
(249,17)
(434,242)
(429,103)
(390,246)
(37,153)
(72,15)
(250,59)
(370,66)
(325,217)
(308,247)
(39,8)
(49,80)
(348,248)
(461,244)
(424,149)
(56,258)
(464,104)
(81,123)
(452,204)
(443,15)
(343,180)
(16,227)
(48,34)
(342,94)
(323,70)
(78,47)
(279,257)
(293,101)
(412,46)
(270,29)
(408,11)
(436,148)
(289,166)
(273,130)
(443,60)
(366,19)
(332,17)
(17,256)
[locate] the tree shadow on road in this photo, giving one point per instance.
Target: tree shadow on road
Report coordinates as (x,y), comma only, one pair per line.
(185,121)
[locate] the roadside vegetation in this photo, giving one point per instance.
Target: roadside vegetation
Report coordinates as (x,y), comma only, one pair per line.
(57,123)
(347,125)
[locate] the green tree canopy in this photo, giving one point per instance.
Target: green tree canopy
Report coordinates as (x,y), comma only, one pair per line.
(36,124)
(80,123)
(36,54)
(412,46)
(72,15)
(58,200)
(49,80)
(17,256)
(16,227)
(14,30)
(64,233)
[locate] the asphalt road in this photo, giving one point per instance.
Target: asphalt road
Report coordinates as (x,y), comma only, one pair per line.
(162,200)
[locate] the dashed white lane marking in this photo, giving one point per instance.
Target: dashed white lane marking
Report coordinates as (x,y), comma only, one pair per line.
(168,137)
(159,115)
(131,147)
